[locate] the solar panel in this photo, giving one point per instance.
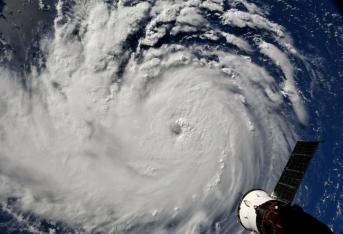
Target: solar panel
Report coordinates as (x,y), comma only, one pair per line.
(294,172)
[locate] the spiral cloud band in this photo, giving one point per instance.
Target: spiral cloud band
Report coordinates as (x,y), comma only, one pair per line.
(150,116)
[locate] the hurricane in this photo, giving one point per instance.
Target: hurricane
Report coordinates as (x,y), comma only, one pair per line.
(150,116)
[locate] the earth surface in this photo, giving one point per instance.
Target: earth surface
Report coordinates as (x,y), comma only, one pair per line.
(295,46)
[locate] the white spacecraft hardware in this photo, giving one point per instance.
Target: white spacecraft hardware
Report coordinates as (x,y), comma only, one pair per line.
(262,213)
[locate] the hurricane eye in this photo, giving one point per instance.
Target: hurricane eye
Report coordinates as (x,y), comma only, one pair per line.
(176,128)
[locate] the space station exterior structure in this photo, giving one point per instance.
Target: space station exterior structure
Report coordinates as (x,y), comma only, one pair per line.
(247,208)
(260,212)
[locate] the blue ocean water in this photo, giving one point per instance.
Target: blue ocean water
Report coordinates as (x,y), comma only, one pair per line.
(316,27)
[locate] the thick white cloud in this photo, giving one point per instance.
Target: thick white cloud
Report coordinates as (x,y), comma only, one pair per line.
(170,145)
